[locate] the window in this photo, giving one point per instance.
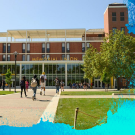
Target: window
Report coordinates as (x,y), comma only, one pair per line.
(123,29)
(113,16)
(28,48)
(23,49)
(23,57)
(4,58)
(63,56)
(99,35)
(122,16)
(83,47)
(68,57)
(8,58)
(88,45)
(82,56)
(114,29)
(48,47)
(43,48)
(4,48)
(63,47)
(48,56)
(68,48)
(28,57)
(43,56)
(8,48)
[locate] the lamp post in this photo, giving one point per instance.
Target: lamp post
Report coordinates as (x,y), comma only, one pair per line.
(15,53)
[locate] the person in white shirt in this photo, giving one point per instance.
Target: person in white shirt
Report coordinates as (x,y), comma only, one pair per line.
(43,79)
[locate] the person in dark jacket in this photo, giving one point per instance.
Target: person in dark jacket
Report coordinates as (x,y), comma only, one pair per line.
(35,88)
(0,84)
(57,83)
(22,84)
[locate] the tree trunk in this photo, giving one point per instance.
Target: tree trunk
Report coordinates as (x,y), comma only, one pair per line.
(106,87)
(9,87)
(118,88)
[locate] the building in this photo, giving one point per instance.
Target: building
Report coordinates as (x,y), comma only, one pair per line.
(58,52)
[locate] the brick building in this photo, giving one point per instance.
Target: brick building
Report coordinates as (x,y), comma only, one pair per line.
(58,52)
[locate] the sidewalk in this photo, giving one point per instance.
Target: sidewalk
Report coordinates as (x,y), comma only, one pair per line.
(16,111)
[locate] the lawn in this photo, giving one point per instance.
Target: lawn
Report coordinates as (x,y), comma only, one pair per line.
(95,107)
(95,92)
(7,92)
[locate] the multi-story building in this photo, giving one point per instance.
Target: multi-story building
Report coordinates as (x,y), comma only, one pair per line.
(58,52)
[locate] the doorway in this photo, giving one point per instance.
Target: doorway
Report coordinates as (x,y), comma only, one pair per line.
(97,83)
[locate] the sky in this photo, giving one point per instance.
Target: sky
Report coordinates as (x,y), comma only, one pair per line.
(52,14)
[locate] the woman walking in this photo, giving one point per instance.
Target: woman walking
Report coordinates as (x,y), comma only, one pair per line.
(34,84)
(62,85)
(85,86)
(27,85)
(22,84)
(57,85)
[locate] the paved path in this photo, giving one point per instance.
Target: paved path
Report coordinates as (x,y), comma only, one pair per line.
(16,111)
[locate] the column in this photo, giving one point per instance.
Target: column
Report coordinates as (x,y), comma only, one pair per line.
(111,82)
(20,71)
(45,44)
(42,67)
(66,74)
(65,45)
(26,48)
(6,45)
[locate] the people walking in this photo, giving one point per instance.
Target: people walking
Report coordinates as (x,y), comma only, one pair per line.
(22,84)
(3,85)
(27,85)
(34,84)
(85,85)
(62,85)
(57,85)
(43,79)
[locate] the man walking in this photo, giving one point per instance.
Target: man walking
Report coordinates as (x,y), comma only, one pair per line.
(3,84)
(43,79)
(57,85)
(22,84)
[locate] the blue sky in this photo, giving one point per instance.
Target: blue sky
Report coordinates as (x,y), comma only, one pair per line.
(52,14)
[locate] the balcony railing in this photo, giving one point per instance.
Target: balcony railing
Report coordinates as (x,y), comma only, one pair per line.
(92,38)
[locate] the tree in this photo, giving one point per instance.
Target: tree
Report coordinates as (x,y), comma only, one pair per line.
(8,78)
(116,57)
(118,53)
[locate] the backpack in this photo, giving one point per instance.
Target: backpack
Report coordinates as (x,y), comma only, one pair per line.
(42,79)
(33,82)
(57,83)
(22,83)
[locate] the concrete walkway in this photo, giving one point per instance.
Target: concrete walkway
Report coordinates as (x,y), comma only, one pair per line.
(16,111)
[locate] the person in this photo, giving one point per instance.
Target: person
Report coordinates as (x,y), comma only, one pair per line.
(22,84)
(27,85)
(70,85)
(57,85)
(34,88)
(85,86)
(62,85)
(3,85)
(43,79)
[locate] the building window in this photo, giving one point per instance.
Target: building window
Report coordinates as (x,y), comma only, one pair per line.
(63,56)
(28,48)
(48,56)
(43,56)
(99,35)
(23,57)
(48,47)
(8,48)
(63,47)
(28,57)
(4,48)
(113,16)
(8,58)
(43,48)
(82,56)
(68,57)
(123,29)
(122,16)
(23,48)
(83,47)
(4,58)
(88,45)
(114,30)
(68,48)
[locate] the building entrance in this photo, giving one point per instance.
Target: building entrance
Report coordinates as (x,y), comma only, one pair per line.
(97,83)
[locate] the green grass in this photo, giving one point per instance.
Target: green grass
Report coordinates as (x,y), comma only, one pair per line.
(7,92)
(95,107)
(95,92)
